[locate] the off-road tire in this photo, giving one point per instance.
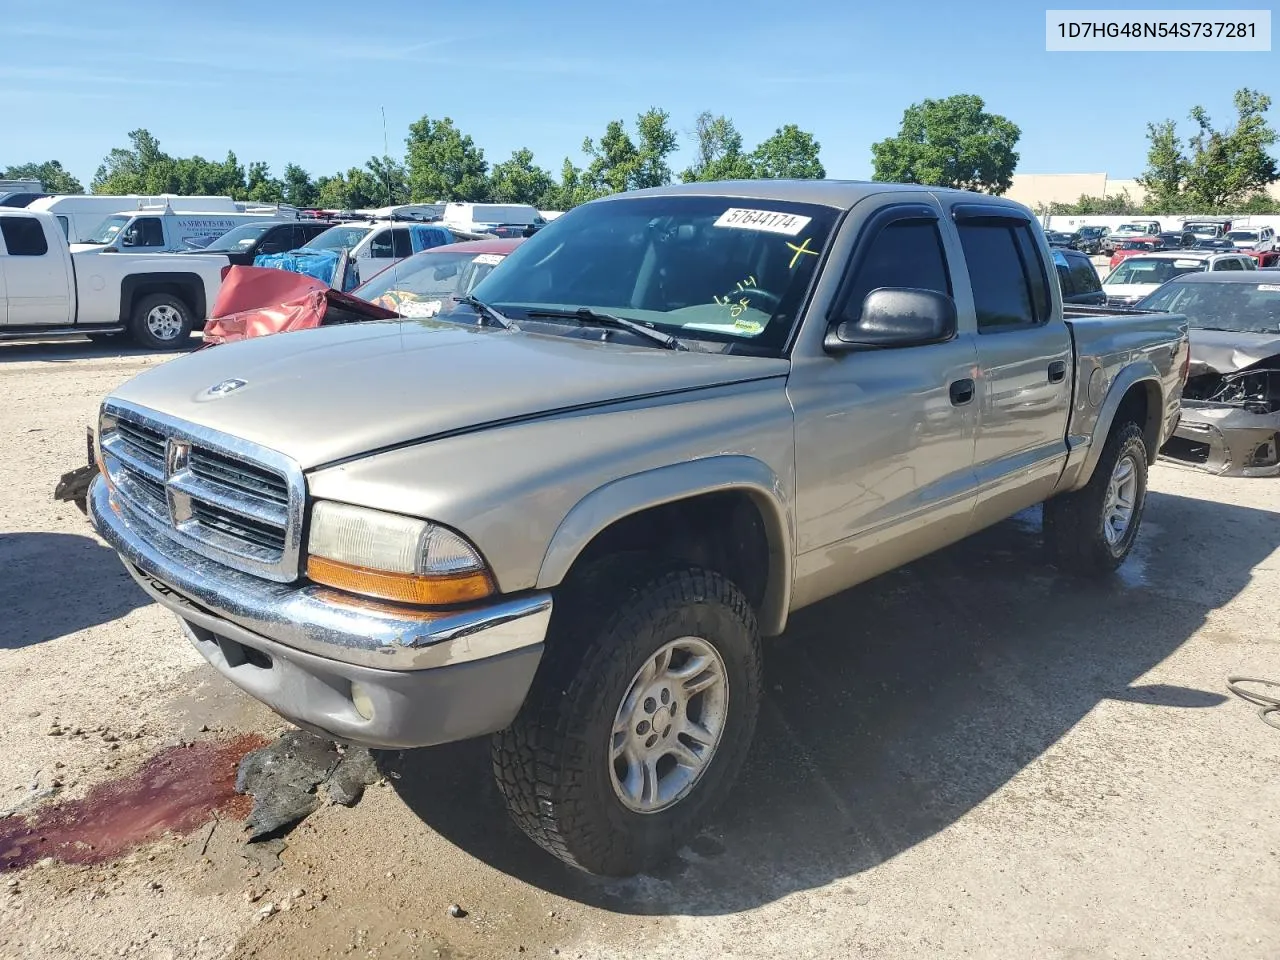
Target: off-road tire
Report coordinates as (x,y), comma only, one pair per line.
(1073,521)
(141,332)
(552,765)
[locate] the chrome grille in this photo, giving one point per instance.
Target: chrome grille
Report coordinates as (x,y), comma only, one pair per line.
(230,500)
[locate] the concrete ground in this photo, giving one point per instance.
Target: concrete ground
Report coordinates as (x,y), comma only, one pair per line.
(971,757)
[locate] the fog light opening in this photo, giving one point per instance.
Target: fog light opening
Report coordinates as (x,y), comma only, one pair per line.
(361,700)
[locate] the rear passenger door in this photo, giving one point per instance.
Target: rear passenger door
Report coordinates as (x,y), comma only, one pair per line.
(36,287)
(1024,361)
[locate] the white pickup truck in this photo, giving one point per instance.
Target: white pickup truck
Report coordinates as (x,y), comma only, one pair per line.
(47,291)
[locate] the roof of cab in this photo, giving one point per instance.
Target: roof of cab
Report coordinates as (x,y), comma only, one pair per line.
(841,194)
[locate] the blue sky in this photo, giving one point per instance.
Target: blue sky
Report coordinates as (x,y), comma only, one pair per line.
(275,84)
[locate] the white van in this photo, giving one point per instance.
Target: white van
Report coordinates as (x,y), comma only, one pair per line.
(80,215)
(165,231)
(484,217)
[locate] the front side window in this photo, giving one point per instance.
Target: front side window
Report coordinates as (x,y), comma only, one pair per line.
(728,269)
(906,253)
(144,232)
(1009,288)
(23,237)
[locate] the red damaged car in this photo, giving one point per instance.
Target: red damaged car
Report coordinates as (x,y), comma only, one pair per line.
(421,286)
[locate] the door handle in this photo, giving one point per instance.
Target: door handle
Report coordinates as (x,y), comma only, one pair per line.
(1057,371)
(961,392)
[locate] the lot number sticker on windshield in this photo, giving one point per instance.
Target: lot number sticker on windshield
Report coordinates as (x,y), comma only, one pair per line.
(769,221)
(1270,287)
(491,259)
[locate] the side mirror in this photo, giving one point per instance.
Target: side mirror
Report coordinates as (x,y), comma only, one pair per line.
(895,317)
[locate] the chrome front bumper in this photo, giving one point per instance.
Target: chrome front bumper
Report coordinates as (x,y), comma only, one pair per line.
(430,677)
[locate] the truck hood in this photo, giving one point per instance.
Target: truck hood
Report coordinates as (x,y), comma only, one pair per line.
(336,392)
(1226,351)
(1128,291)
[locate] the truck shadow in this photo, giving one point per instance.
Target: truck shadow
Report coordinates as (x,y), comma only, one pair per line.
(58,583)
(896,708)
(75,348)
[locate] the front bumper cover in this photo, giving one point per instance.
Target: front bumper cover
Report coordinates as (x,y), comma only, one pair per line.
(429,678)
(1226,440)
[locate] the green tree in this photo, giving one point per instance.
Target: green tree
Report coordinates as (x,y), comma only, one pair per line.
(569,192)
(790,154)
(50,173)
(444,163)
(1227,166)
(613,161)
(620,163)
(655,142)
(392,179)
(519,180)
(718,151)
(261,186)
(1166,168)
(133,169)
(1115,204)
(297,186)
(950,143)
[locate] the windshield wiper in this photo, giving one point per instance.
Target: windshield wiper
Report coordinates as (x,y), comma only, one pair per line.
(588,316)
(485,311)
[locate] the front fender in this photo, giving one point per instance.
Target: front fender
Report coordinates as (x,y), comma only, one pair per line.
(652,488)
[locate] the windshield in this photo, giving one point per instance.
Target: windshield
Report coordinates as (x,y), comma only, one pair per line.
(1130,228)
(1248,236)
(1151,271)
(110,228)
(1090,231)
(1203,229)
(239,239)
(342,237)
(425,284)
(1242,307)
(717,268)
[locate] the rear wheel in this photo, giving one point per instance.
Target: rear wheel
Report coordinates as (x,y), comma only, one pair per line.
(637,724)
(1092,530)
(161,321)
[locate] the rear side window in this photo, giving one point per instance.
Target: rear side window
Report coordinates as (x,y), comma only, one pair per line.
(906,253)
(1230,263)
(1084,279)
(23,237)
(1010,291)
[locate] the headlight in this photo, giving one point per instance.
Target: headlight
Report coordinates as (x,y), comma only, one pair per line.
(392,557)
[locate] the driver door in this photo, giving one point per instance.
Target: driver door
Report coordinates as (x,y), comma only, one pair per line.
(884,439)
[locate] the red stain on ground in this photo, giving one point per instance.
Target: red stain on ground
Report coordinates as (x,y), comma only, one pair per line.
(175,791)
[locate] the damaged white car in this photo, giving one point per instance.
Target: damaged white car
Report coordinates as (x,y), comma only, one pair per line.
(1231,404)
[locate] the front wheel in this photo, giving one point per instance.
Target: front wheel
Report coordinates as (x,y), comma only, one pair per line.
(1091,530)
(161,321)
(636,726)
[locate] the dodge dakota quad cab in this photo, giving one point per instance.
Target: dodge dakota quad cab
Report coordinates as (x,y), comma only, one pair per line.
(48,291)
(565,510)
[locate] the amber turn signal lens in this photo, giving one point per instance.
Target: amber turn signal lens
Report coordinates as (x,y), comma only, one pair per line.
(400,587)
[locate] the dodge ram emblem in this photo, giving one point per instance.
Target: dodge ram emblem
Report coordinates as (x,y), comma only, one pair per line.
(225,387)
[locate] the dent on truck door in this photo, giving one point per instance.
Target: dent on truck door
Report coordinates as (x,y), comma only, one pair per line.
(1025,362)
(884,438)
